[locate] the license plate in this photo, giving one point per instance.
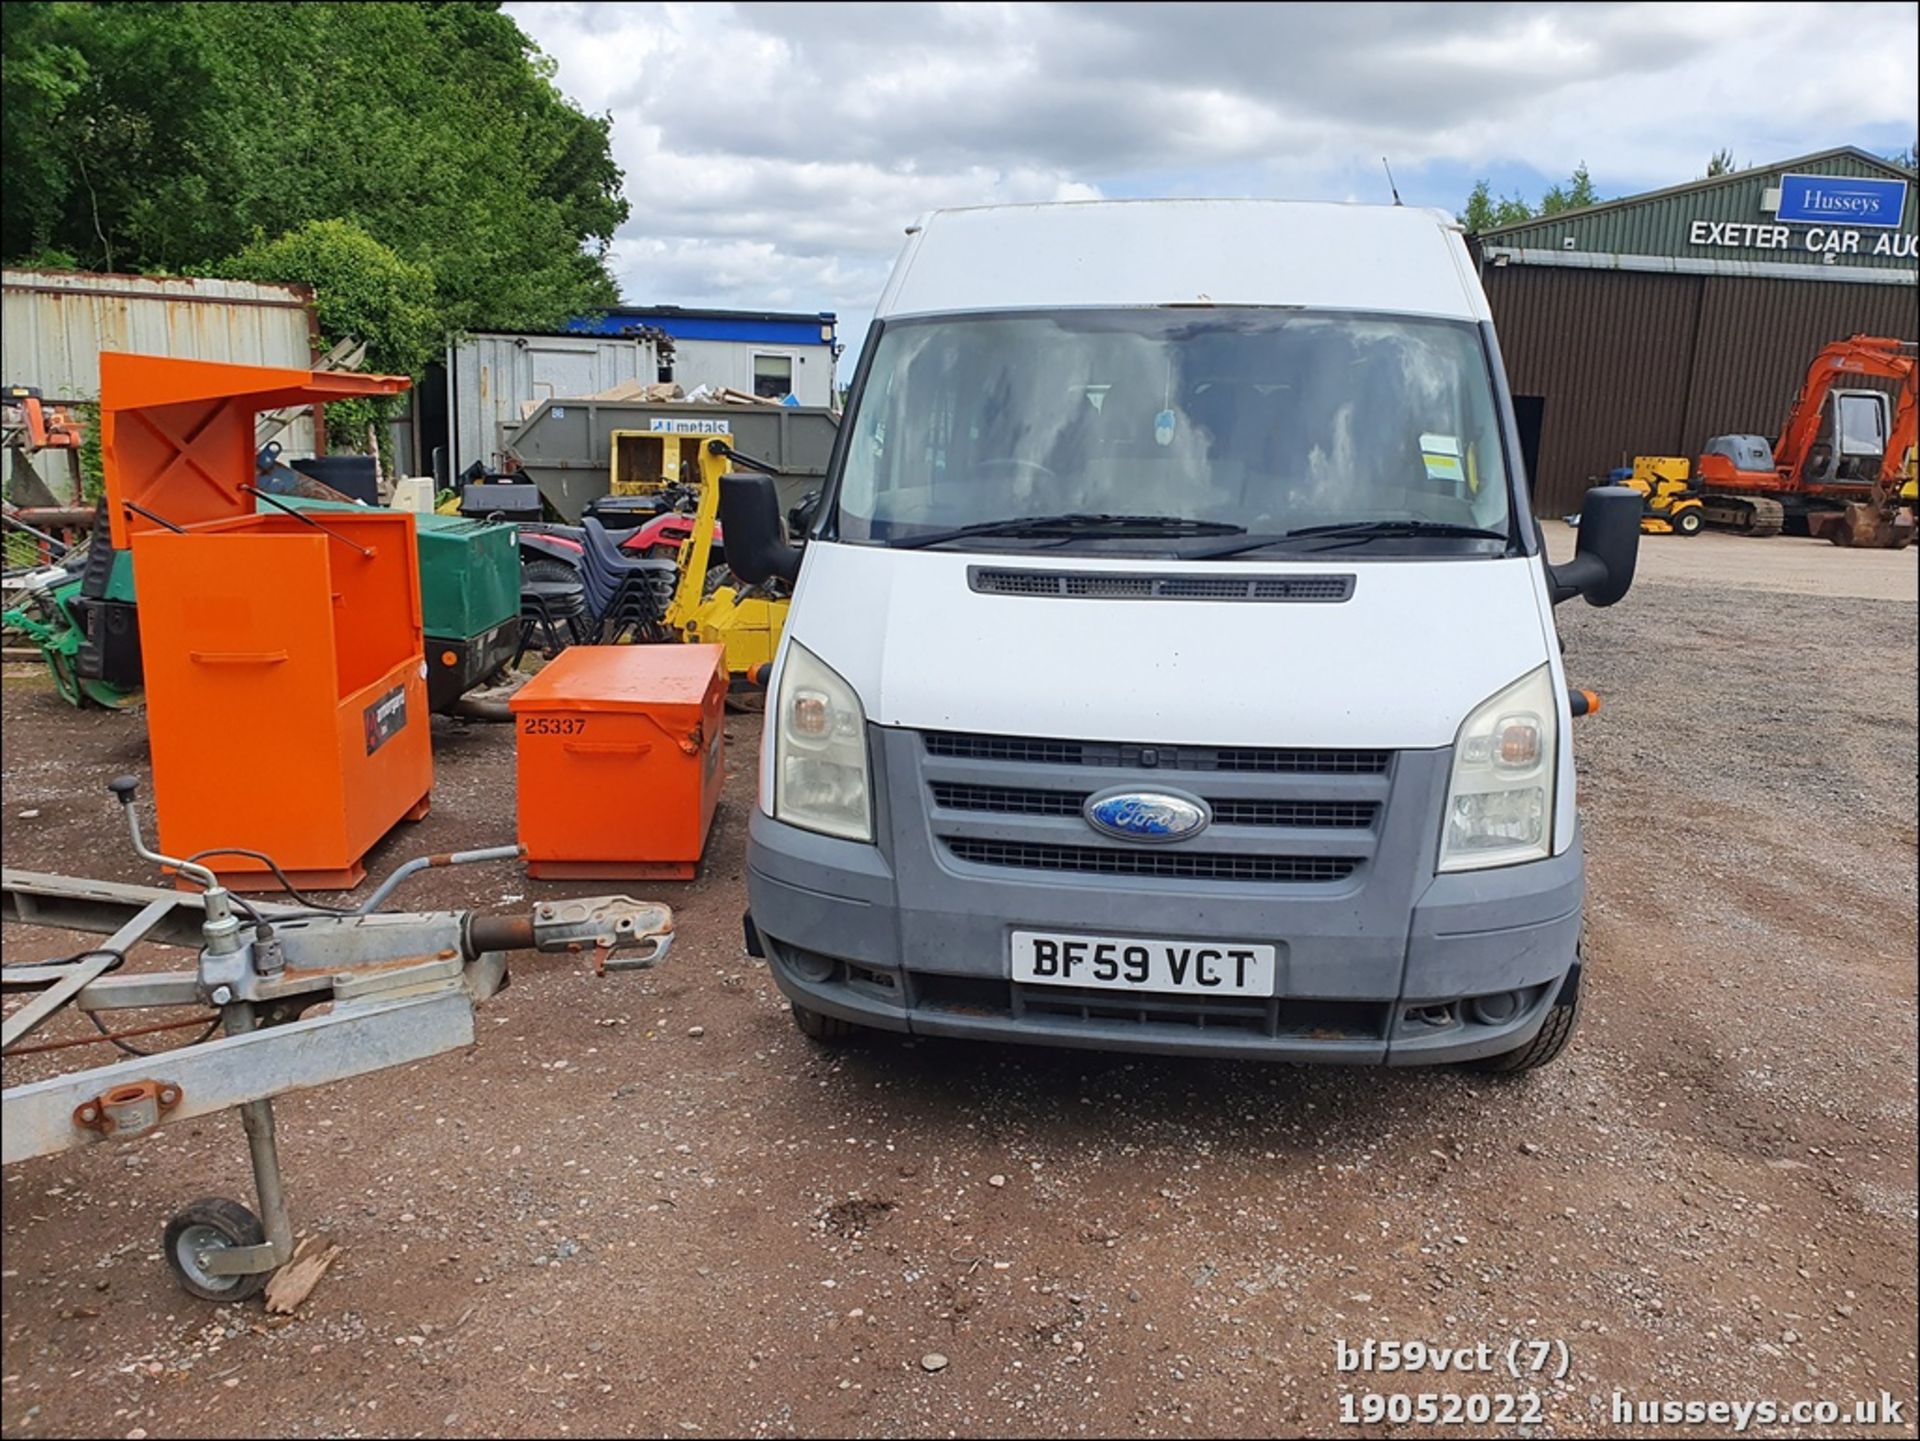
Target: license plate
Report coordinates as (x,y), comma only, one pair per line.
(1136,963)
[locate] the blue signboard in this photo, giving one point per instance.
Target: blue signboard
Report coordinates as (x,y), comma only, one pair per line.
(1842,200)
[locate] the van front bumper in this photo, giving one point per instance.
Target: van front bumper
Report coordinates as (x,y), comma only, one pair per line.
(1486,956)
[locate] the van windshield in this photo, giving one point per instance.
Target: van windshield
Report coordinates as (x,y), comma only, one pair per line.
(1186,426)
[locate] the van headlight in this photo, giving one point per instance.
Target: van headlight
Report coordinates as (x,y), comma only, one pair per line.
(1500,800)
(820,750)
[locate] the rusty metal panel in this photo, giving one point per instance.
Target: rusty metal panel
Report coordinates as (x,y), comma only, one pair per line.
(57,322)
(1609,353)
(495,381)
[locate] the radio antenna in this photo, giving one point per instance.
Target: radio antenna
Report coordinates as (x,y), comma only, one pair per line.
(1390,185)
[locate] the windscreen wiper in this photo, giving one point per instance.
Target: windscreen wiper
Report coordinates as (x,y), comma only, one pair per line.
(1352,532)
(1075,523)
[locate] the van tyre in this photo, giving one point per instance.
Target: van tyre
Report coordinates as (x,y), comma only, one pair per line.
(817,1026)
(1551,1039)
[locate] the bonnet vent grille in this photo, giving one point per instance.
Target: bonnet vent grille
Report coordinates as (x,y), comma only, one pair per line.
(1111,585)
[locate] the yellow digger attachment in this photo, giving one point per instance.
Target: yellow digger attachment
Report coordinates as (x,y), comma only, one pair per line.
(748,626)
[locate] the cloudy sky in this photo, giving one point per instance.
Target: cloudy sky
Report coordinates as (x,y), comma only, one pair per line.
(774,152)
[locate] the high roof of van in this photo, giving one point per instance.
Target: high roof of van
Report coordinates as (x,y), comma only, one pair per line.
(1393,259)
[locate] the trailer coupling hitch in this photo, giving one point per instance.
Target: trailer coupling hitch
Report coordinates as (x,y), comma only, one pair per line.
(608,926)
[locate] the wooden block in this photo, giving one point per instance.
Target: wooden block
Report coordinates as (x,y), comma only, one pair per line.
(294,1282)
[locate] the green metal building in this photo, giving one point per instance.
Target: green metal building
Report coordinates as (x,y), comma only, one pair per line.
(1647,324)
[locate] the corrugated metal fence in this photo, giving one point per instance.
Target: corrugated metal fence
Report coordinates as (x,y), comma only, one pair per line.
(57,322)
(1637,364)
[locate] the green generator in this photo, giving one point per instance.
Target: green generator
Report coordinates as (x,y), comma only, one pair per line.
(469,602)
(81,615)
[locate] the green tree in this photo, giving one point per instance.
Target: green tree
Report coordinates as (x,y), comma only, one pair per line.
(105,123)
(1909,158)
(1577,193)
(362,291)
(1721,163)
(171,136)
(42,75)
(1483,212)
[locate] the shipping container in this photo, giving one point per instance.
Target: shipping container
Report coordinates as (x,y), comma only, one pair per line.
(495,380)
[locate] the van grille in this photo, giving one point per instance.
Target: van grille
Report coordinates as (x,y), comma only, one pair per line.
(1322,1020)
(1107,585)
(1282,816)
(1027,801)
(1171,865)
(1024,750)
(936,993)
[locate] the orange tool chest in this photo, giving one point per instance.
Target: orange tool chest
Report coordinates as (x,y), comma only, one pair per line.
(286,700)
(620,760)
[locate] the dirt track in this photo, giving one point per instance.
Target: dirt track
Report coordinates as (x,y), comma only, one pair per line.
(603,1223)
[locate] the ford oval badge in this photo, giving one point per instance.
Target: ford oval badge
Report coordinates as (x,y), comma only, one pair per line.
(1147,815)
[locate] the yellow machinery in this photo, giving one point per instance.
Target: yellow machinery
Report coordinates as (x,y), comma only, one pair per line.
(645,462)
(747,622)
(1671,505)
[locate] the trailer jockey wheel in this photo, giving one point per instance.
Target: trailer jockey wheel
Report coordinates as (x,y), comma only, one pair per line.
(213,1224)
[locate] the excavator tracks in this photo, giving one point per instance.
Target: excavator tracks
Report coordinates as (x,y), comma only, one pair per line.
(1744,514)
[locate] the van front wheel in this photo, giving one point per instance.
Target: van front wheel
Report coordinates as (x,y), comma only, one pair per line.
(1552,1038)
(828,1030)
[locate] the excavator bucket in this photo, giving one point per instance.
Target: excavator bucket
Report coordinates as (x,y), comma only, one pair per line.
(1865,526)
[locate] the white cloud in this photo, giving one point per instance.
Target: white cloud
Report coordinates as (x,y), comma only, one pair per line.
(774,152)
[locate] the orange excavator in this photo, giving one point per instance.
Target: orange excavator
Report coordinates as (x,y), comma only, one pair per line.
(28,425)
(1844,462)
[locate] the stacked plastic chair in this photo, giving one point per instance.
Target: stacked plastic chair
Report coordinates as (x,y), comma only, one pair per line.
(553,608)
(626,595)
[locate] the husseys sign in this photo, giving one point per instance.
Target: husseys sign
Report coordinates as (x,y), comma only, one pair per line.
(1843,215)
(1842,200)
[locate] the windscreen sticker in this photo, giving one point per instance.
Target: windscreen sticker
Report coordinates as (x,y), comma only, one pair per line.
(1442,456)
(1163,424)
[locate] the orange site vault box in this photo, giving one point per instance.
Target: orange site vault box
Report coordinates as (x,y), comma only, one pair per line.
(286,700)
(620,760)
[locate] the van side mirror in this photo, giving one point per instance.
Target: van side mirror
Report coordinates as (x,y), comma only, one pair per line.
(1607,550)
(757,548)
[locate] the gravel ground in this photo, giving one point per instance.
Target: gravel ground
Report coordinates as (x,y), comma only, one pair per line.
(644,1205)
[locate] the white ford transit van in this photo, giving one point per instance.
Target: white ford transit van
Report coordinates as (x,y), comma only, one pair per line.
(1171,664)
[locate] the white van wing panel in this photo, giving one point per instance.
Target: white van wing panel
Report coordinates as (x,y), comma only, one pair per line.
(1186,252)
(1398,665)
(1565,810)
